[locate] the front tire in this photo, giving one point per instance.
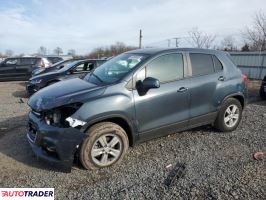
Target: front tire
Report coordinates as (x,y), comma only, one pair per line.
(229,115)
(105,144)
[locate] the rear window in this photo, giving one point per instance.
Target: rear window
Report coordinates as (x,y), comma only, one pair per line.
(202,64)
(54,59)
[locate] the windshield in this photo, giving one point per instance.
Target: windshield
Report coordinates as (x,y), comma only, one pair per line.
(116,68)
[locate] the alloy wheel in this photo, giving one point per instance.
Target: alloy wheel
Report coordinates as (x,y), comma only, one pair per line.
(106,149)
(231,116)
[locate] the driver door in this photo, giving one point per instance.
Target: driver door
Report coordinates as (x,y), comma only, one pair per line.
(165,109)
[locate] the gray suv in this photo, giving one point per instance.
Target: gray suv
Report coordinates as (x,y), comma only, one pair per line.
(136,96)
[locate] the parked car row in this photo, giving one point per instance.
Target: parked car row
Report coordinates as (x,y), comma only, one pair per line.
(20,68)
(39,72)
(61,71)
(133,97)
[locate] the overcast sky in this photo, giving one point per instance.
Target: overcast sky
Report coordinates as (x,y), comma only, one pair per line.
(25,25)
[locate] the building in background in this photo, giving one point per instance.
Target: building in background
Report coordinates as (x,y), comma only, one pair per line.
(253,64)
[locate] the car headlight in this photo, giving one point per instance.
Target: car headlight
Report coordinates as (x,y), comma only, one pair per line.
(53,117)
(36,81)
(61,116)
(38,71)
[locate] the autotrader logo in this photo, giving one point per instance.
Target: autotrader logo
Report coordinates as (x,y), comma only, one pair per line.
(27,193)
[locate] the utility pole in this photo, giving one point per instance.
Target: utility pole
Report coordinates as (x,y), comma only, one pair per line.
(140,38)
(176,41)
(169,41)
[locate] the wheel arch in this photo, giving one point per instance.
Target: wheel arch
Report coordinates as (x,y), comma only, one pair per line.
(239,96)
(119,120)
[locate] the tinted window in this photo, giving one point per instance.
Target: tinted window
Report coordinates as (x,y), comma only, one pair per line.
(166,68)
(27,61)
(12,61)
(201,64)
(217,64)
(54,59)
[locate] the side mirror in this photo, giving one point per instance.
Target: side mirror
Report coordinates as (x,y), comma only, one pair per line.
(147,84)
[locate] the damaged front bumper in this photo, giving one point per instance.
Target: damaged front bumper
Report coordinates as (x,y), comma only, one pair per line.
(53,144)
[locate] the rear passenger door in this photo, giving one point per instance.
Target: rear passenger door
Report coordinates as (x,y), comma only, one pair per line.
(206,82)
(24,68)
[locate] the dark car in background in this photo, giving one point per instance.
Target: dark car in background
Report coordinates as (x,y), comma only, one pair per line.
(136,96)
(20,68)
(263,89)
(54,59)
(66,70)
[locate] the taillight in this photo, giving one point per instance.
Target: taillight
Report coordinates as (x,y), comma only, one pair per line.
(245,79)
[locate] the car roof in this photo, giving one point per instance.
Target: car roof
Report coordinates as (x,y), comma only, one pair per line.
(26,57)
(91,60)
(153,51)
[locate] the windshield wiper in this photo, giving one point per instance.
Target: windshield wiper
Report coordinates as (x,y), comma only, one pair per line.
(97,77)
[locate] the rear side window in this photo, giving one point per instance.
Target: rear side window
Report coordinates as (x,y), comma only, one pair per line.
(217,64)
(166,68)
(201,64)
(27,61)
(87,66)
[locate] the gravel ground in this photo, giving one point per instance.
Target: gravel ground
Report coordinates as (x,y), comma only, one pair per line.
(217,165)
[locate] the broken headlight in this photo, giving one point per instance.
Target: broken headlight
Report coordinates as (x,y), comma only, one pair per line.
(53,117)
(58,116)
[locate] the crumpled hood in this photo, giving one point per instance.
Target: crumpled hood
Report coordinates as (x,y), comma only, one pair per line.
(63,93)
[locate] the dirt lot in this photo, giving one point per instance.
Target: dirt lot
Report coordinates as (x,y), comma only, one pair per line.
(217,165)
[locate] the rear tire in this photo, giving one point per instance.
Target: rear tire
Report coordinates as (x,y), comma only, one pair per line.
(262,93)
(229,115)
(106,143)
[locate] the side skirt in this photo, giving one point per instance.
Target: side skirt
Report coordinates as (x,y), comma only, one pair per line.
(177,127)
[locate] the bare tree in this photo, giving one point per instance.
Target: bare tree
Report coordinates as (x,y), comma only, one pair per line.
(112,50)
(8,53)
(58,51)
(245,47)
(42,50)
(256,34)
(71,52)
(228,44)
(200,39)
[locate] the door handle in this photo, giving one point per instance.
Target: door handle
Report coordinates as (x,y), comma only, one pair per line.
(221,78)
(182,89)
